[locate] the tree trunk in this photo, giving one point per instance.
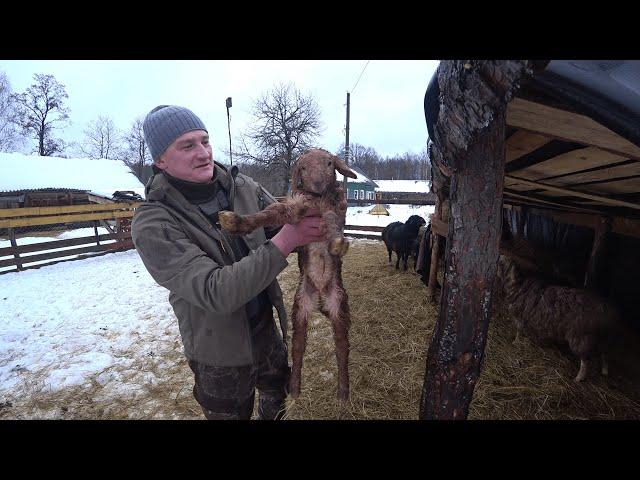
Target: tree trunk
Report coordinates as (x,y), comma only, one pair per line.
(469,148)
(457,347)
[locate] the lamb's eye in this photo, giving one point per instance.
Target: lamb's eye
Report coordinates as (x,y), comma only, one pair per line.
(329,163)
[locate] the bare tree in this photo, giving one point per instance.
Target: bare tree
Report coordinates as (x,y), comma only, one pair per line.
(41,110)
(135,153)
(285,123)
(10,137)
(101,139)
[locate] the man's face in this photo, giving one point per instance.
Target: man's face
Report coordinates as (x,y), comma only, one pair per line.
(189,158)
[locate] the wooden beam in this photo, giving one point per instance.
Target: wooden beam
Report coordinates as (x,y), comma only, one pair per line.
(14,246)
(622,226)
(438,226)
(435,251)
(67,253)
(50,220)
(572,127)
(595,260)
(619,225)
(568,163)
(106,225)
(39,211)
(523,142)
(55,244)
(363,228)
(574,193)
(538,201)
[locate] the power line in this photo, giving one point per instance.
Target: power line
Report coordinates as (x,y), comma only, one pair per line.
(365,66)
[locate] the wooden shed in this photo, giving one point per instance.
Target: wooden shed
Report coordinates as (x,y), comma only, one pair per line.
(548,151)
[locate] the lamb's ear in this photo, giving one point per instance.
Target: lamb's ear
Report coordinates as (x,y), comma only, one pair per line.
(343,169)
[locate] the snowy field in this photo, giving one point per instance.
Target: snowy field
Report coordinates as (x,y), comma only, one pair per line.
(97,320)
(397,213)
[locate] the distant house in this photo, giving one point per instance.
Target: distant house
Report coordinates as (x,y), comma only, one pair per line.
(361,188)
(34,181)
(404,190)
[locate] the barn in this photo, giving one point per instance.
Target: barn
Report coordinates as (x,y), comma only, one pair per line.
(35,181)
(546,152)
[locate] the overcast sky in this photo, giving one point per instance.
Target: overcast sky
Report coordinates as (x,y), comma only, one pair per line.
(386,104)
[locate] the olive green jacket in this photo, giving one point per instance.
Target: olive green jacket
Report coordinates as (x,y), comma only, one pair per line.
(208,288)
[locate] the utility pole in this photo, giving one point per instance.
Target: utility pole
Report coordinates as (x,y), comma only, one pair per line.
(229,127)
(346,147)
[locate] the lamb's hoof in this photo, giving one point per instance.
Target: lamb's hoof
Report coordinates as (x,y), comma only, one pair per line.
(294,390)
(339,246)
(343,395)
(229,221)
(578,379)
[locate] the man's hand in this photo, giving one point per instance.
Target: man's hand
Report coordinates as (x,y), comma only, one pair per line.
(310,229)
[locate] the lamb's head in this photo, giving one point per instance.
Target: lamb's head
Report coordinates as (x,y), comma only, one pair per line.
(314,172)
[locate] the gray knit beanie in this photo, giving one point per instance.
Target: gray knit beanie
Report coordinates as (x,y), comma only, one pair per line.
(165,123)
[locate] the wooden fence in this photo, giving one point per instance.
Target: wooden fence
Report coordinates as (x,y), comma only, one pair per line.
(93,245)
(95,214)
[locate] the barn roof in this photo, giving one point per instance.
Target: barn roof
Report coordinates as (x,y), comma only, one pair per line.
(572,138)
(102,177)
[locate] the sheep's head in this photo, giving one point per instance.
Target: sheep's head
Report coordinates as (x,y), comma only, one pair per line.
(416,220)
(507,270)
(314,172)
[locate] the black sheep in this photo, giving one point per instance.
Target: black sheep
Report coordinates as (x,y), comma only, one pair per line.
(401,237)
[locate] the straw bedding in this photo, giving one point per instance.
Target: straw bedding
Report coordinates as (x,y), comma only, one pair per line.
(392,322)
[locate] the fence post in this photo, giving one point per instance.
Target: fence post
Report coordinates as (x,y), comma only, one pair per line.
(14,244)
(95,229)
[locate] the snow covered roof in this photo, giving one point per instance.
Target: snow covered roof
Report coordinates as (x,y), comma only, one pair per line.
(361,177)
(101,177)
(409,186)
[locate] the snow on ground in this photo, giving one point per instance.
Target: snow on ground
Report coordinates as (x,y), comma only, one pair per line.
(397,213)
(77,320)
(94,319)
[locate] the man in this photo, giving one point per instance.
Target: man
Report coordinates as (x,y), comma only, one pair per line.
(222,288)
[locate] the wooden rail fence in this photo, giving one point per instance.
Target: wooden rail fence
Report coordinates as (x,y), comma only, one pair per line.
(97,214)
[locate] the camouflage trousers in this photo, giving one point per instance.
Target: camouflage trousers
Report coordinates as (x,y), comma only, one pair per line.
(228,393)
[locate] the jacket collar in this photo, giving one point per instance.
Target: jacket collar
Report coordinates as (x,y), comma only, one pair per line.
(158,188)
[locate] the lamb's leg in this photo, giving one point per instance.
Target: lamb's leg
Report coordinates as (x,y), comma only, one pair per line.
(582,373)
(338,245)
(336,307)
(292,210)
(304,303)
(605,365)
(389,250)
